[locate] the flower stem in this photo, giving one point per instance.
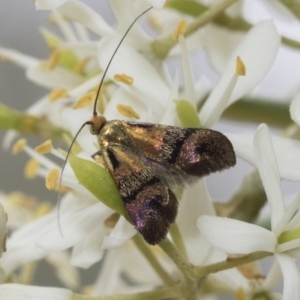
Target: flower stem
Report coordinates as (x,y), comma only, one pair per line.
(230,263)
(176,291)
(177,239)
(161,272)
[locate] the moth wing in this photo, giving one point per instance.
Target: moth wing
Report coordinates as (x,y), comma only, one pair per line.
(150,204)
(183,152)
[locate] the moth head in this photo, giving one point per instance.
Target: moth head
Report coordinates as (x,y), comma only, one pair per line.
(96,123)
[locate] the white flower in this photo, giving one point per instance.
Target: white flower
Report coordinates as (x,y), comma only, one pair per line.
(236,237)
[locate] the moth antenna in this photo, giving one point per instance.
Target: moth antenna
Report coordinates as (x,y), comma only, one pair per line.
(94,113)
(113,55)
(62,170)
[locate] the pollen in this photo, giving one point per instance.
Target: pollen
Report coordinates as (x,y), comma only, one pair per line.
(126,79)
(54,59)
(80,66)
(19,146)
(44,148)
(31,168)
(85,100)
(180,29)
(58,94)
(240,68)
(51,179)
(127,111)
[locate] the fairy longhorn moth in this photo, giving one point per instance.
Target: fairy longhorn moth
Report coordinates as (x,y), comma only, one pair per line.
(147,160)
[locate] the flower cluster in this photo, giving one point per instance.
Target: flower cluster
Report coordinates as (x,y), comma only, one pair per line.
(212,248)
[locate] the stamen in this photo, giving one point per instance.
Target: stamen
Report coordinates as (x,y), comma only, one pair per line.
(240,294)
(31,168)
(44,148)
(19,146)
(126,79)
(240,68)
(54,58)
(127,111)
(80,67)
(52,179)
(180,29)
(58,94)
(85,100)
(43,209)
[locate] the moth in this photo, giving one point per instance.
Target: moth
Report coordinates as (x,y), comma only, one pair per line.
(148,160)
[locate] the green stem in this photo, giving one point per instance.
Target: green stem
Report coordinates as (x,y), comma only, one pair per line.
(25,123)
(176,292)
(148,254)
(161,47)
(178,240)
(200,272)
(182,264)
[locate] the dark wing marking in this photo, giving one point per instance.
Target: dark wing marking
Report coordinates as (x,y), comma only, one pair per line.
(183,152)
(150,204)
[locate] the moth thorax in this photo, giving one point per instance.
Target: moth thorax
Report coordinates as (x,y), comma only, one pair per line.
(97,122)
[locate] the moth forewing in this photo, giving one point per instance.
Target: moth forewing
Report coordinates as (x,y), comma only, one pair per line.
(146,160)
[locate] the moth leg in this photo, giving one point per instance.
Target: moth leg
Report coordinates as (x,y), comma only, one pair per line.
(98,153)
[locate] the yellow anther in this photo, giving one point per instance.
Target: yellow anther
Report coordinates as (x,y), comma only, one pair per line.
(85,100)
(127,111)
(54,58)
(4,58)
(180,29)
(19,146)
(58,94)
(80,66)
(20,200)
(52,179)
(240,68)
(42,209)
(44,148)
(240,294)
(31,168)
(126,79)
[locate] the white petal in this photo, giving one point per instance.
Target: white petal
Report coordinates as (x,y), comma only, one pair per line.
(17,291)
(88,251)
(83,14)
(130,62)
(48,4)
(24,61)
(60,261)
(295,109)
(57,78)
(291,277)
(258,51)
(268,170)
(195,202)
(122,232)
(236,237)
(157,3)
(287,153)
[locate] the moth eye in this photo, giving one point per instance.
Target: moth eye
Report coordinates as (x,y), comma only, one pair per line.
(92,130)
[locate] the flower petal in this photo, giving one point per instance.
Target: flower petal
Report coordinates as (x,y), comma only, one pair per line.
(268,170)
(83,14)
(236,237)
(258,51)
(17,291)
(295,109)
(157,3)
(291,277)
(122,232)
